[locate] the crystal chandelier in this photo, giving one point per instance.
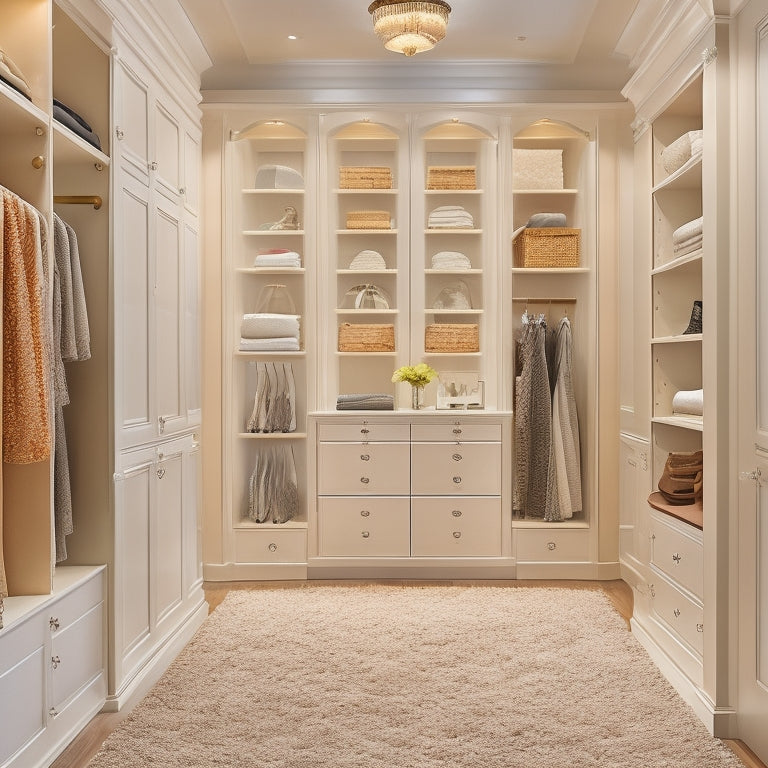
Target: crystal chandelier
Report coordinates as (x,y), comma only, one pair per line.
(409,28)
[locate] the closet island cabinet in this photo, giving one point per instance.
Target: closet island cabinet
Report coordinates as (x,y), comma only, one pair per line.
(98,608)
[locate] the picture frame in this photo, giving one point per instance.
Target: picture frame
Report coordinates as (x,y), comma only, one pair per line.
(460,390)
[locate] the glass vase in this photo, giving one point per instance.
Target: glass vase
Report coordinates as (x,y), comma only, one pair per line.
(416,398)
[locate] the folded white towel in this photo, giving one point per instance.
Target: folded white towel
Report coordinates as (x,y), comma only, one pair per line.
(688,230)
(265,325)
(450,217)
(368,260)
(680,151)
(684,250)
(689,402)
(695,240)
(291,260)
(283,344)
(450,260)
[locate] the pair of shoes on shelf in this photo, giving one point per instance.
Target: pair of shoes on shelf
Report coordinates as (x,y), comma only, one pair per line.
(695,323)
(682,480)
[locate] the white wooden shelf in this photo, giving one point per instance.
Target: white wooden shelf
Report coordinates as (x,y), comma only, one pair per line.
(366,271)
(453,191)
(685,338)
(569,191)
(270,270)
(70,149)
(550,270)
(682,261)
(272,191)
(687,177)
(341,311)
(695,423)
(272,232)
(433,311)
(246,525)
(447,231)
(453,271)
(366,191)
(270,353)
(272,435)
(366,231)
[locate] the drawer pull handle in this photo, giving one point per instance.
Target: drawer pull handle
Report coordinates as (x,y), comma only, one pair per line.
(272,547)
(551,546)
(364,431)
(457,457)
(699,627)
(366,534)
(457,534)
(676,557)
(55,661)
(456,513)
(53,623)
(365,480)
(161,473)
(676,612)
(456,431)
(365,456)
(52,712)
(365,513)
(457,480)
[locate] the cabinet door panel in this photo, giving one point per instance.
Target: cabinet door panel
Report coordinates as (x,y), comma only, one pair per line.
(168,301)
(191,178)
(168,531)
(192,326)
(447,468)
(134,292)
(133,115)
(167,150)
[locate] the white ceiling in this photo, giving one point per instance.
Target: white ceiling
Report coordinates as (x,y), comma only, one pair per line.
(568,44)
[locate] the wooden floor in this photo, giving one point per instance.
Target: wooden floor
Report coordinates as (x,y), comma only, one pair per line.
(82,749)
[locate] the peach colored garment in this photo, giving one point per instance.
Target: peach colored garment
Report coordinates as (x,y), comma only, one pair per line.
(26,416)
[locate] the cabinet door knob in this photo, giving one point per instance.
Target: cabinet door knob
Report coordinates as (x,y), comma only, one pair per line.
(676,612)
(699,627)
(366,534)
(272,547)
(365,513)
(456,513)
(457,431)
(153,165)
(457,480)
(119,133)
(161,473)
(365,456)
(364,431)
(457,534)
(457,457)
(551,546)
(677,558)
(53,623)
(365,480)
(55,661)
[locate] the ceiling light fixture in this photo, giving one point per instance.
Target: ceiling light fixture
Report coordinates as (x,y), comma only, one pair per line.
(409,28)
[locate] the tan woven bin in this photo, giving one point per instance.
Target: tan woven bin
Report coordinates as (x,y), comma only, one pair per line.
(548,247)
(452,337)
(366,337)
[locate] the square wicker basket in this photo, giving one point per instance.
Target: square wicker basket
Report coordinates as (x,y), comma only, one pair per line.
(548,247)
(452,337)
(366,337)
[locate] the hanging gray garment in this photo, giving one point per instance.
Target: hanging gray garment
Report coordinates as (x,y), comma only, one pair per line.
(62,491)
(533,422)
(64,265)
(79,309)
(564,478)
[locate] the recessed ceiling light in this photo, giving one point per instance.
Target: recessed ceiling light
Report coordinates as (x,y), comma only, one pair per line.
(292,37)
(521,38)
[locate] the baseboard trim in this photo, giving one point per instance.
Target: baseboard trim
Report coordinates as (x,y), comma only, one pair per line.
(152,671)
(340,568)
(254,571)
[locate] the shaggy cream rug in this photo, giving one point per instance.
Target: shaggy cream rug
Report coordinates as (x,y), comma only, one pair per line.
(426,676)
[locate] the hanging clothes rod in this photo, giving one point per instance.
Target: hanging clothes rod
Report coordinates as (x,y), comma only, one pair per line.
(544,300)
(93,200)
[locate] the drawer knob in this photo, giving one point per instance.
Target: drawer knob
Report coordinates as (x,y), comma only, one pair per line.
(699,627)
(457,431)
(365,513)
(52,712)
(676,612)
(55,661)
(457,457)
(364,431)
(365,456)
(456,513)
(365,480)
(366,534)
(457,534)
(676,557)
(272,547)
(53,623)
(457,480)
(551,546)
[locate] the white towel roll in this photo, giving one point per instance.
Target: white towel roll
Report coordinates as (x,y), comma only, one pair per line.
(265,325)
(689,402)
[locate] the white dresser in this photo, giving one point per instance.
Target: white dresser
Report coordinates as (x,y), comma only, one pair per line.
(410,493)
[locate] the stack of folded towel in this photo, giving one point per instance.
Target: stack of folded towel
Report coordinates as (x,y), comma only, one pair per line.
(69,118)
(267,332)
(11,74)
(450,260)
(278,257)
(278,177)
(368,261)
(680,151)
(542,220)
(689,402)
(450,217)
(365,402)
(688,238)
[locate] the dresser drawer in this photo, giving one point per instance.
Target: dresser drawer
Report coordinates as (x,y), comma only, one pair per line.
(271,544)
(456,527)
(456,431)
(364,432)
(351,468)
(447,469)
(364,527)
(550,545)
(76,604)
(678,554)
(681,615)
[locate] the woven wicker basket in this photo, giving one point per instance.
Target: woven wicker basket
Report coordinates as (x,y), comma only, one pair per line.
(452,337)
(548,247)
(366,337)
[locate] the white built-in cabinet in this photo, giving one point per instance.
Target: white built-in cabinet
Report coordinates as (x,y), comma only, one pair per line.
(320,144)
(97,628)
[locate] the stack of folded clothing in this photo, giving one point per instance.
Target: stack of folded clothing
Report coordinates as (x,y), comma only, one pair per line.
(268,332)
(365,177)
(688,402)
(369,220)
(449,260)
(542,220)
(368,261)
(451,177)
(278,177)
(365,402)
(450,217)
(680,151)
(11,74)
(688,238)
(69,118)
(278,257)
